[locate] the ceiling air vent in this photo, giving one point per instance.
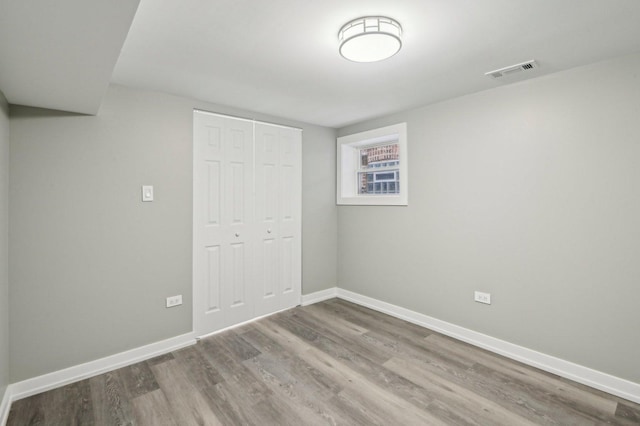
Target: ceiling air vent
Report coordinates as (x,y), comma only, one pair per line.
(512,69)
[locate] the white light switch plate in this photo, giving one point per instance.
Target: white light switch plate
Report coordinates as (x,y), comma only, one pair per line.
(147,193)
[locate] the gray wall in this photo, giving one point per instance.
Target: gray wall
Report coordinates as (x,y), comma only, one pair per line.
(4,245)
(530,192)
(90,264)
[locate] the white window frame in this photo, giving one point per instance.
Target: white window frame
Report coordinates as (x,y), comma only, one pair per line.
(348,161)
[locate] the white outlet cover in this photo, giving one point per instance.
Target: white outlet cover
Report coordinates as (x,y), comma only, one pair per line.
(482,297)
(174,301)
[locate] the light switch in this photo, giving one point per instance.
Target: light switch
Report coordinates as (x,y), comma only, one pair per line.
(147,193)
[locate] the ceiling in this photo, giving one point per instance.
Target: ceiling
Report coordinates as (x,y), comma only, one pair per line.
(60,54)
(280,57)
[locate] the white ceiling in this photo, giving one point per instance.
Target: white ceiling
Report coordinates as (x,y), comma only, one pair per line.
(60,54)
(280,57)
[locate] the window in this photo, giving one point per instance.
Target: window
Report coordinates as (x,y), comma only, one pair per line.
(372,167)
(385,157)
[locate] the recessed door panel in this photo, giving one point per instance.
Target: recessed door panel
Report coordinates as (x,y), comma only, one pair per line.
(269,265)
(268,192)
(213,193)
(237,192)
(287,264)
(288,196)
(214,272)
(237,281)
(214,139)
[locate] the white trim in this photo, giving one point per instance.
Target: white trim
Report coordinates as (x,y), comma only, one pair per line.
(93,368)
(253,120)
(5,405)
(587,376)
(249,321)
(319,296)
(348,160)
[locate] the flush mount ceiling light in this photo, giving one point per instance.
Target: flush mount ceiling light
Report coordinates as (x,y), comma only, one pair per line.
(370,39)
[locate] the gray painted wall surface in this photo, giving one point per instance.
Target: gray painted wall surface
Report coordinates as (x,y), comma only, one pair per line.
(92,264)
(4,245)
(530,192)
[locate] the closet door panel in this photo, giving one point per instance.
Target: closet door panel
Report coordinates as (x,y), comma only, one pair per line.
(238,235)
(267,198)
(290,217)
(223,222)
(278,220)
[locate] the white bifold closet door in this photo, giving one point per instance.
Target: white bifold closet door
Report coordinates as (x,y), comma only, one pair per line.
(247,220)
(278,211)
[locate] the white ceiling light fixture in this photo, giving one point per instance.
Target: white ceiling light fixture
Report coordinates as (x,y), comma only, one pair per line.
(370,39)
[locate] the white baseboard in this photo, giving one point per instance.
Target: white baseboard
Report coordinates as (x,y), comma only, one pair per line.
(596,379)
(240,324)
(319,296)
(578,373)
(59,378)
(5,405)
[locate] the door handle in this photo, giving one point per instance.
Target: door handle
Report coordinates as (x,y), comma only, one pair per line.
(268,231)
(237,234)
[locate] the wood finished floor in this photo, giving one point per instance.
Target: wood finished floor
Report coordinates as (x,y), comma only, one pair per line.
(329,363)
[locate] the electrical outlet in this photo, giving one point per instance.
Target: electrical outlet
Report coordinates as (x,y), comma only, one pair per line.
(174,301)
(482,297)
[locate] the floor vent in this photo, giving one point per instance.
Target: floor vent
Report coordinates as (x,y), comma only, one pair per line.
(512,69)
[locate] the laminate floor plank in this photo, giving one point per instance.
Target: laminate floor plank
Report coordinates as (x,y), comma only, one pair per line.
(510,398)
(187,404)
(338,370)
(69,405)
(375,373)
(230,406)
(296,395)
(292,368)
(563,410)
(294,383)
(160,359)
(235,374)
(417,350)
(355,343)
(237,346)
(152,409)
(361,397)
(626,413)
(468,405)
(371,318)
(260,405)
(200,371)
(297,380)
(528,382)
(337,323)
(393,338)
(387,408)
(111,406)
(137,379)
(28,411)
(332,363)
(547,382)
